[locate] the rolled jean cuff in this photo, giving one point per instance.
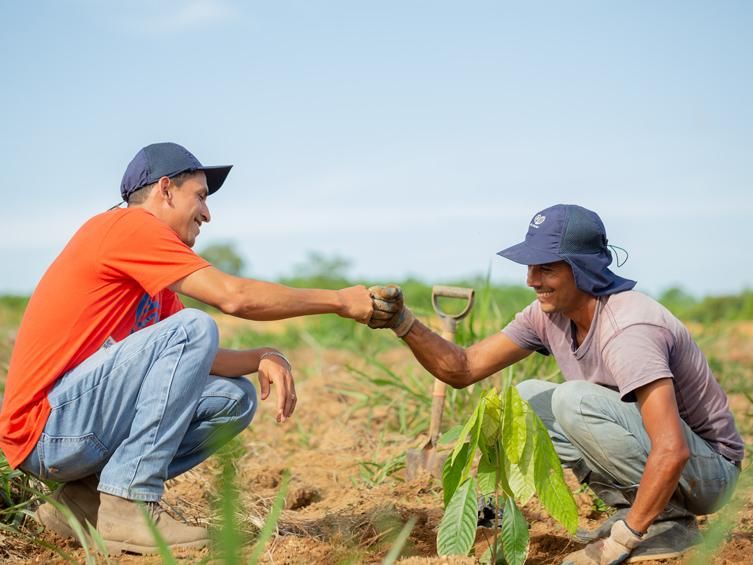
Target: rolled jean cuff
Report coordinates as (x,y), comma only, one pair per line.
(140,496)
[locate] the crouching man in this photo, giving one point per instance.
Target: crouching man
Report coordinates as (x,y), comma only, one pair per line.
(640,416)
(113,387)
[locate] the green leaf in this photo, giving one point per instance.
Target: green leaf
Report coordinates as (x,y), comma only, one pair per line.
(457,530)
(520,476)
(464,434)
(551,487)
(475,435)
(521,484)
(452,471)
(486,475)
(514,534)
(450,435)
(499,555)
(514,425)
(500,460)
(492,418)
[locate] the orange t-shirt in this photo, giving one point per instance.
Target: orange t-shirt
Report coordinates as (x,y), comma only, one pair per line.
(110,281)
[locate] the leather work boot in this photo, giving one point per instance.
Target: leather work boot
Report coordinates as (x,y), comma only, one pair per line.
(670,514)
(122,526)
(80,497)
(666,540)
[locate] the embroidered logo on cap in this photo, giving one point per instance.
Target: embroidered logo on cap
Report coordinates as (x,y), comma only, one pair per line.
(537,221)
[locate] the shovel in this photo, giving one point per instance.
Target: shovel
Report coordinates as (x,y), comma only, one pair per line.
(427,458)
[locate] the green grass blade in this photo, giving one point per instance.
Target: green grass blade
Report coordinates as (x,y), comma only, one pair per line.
(399,543)
(164,551)
(725,520)
(99,543)
(270,524)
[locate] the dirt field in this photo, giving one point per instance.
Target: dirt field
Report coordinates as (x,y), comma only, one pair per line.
(339,510)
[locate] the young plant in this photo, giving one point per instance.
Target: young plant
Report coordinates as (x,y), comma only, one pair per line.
(517,460)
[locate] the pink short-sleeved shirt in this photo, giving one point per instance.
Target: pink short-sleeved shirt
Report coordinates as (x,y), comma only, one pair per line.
(634,341)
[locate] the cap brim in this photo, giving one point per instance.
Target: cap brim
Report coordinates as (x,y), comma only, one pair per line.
(526,255)
(216,176)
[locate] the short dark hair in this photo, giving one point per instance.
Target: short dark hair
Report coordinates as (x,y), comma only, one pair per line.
(139,196)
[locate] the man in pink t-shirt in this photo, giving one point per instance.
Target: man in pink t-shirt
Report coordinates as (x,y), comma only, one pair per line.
(640,416)
(113,387)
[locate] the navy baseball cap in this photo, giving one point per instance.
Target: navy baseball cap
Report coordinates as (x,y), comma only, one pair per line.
(574,234)
(167,160)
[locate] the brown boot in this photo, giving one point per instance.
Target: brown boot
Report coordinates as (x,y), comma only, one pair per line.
(122,526)
(80,497)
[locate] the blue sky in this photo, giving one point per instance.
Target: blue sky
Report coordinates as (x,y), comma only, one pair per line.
(413,137)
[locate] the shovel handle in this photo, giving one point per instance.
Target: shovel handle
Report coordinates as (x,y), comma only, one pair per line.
(437,407)
(466,294)
(449,323)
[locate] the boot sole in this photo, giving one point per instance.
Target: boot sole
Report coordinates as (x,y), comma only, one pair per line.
(656,556)
(118,547)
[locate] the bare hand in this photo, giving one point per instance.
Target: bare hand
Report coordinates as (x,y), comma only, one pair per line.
(356,303)
(275,370)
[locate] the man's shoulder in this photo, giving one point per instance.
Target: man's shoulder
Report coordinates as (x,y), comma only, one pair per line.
(630,308)
(124,224)
(116,216)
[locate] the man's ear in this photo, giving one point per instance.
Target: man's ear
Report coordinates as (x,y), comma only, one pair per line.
(164,188)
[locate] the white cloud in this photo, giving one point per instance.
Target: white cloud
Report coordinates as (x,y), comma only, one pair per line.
(177,16)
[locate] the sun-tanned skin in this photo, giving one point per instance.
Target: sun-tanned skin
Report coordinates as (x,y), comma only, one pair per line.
(556,291)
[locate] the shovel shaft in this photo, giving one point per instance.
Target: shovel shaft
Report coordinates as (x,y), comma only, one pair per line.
(437,407)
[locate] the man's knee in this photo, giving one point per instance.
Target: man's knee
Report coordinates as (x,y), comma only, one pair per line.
(201,328)
(247,403)
(532,388)
(575,403)
(230,401)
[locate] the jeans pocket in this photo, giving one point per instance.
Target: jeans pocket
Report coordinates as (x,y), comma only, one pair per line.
(68,458)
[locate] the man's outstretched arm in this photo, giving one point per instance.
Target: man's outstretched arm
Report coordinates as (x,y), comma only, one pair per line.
(457,366)
(447,361)
(259,300)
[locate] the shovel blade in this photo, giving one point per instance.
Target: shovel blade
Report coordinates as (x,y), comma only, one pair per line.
(429,460)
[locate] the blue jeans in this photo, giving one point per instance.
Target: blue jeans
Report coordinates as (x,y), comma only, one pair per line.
(143,410)
(590,425)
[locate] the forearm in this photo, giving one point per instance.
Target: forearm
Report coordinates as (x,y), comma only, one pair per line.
(236,363)
(264,301)
(659,481)
(447,361)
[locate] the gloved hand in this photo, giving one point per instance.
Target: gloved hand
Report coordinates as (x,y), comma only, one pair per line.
(390,310)
(612,550)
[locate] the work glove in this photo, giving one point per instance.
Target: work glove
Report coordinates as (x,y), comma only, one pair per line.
(390,310)
(608,551)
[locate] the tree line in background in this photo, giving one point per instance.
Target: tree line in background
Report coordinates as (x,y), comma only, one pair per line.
(322,271)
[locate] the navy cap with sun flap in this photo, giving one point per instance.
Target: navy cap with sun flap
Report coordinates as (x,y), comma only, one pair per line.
(167,160)
(566,232)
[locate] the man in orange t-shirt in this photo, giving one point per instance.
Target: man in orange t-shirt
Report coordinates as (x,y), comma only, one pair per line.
(113,387)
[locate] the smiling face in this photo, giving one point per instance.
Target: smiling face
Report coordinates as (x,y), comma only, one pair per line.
(555,288)
(187,207)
